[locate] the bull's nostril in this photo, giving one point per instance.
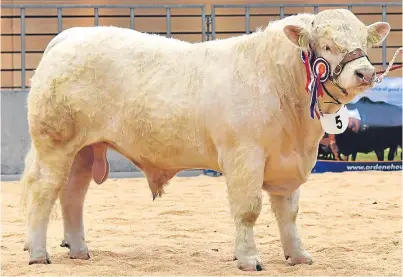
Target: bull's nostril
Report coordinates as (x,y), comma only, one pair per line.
(359,74)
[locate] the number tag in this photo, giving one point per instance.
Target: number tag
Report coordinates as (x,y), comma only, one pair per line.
(335,123)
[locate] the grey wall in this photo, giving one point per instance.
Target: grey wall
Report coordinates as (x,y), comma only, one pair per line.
(15,138)
(14,132)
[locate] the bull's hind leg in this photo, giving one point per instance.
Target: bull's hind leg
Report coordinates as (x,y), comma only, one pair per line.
(72,201)
(44,175)
(285,209)
(243,168)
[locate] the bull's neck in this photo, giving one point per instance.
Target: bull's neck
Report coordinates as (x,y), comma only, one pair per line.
(286,69)
(279,62)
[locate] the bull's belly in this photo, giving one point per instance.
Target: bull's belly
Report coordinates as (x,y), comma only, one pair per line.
(284,175)
(169,155)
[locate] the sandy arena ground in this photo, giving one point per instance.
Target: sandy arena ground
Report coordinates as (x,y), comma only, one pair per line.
(350,223)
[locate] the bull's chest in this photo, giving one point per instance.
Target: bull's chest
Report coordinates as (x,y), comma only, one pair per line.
(285,171)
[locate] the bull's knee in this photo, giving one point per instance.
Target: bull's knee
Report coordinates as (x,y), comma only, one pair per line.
(249,218)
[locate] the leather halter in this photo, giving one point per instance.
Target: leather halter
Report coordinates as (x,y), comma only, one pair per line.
(349,57)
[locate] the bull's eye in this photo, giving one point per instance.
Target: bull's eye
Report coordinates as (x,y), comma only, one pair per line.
(327,48)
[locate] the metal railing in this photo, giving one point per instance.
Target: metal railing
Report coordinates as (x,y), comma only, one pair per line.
(207,31)
(96,16)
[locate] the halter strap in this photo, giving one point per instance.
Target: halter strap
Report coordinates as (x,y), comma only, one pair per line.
(349,57)
(330,95)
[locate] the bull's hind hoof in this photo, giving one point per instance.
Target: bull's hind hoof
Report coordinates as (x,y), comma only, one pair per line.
(80,252)
(80,255)
(44,260)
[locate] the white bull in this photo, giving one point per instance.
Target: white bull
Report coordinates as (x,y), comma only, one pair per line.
(237,105)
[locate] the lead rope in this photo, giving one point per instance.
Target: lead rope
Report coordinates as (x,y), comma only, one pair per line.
(390,66)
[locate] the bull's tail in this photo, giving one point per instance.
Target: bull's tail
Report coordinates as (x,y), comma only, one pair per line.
(30,173)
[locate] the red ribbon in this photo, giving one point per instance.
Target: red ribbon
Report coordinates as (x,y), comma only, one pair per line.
(320,90)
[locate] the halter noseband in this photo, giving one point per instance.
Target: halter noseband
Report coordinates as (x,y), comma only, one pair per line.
(349,57)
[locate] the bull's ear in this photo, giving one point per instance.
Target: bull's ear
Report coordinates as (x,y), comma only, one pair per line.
(377,32)
(297,35)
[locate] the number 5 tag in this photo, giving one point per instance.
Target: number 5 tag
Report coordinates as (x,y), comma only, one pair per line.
(335,123)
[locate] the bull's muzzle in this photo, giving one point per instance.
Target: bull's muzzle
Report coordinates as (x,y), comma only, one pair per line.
(365,75)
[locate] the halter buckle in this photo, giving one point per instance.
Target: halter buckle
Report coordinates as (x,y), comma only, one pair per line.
(337,70)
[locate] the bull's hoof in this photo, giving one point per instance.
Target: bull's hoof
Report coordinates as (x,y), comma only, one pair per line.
(80,255)
(84,255)
(300,258)
(249,263)
(42,260)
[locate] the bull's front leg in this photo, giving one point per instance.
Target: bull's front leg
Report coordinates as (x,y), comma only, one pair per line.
(285,209)
(243,168)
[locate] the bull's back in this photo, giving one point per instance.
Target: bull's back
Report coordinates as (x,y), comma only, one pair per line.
(98,70)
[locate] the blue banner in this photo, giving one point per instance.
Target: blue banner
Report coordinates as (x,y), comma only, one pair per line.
(336,166)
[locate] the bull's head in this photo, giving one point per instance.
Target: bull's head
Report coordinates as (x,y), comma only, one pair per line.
(343,40)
